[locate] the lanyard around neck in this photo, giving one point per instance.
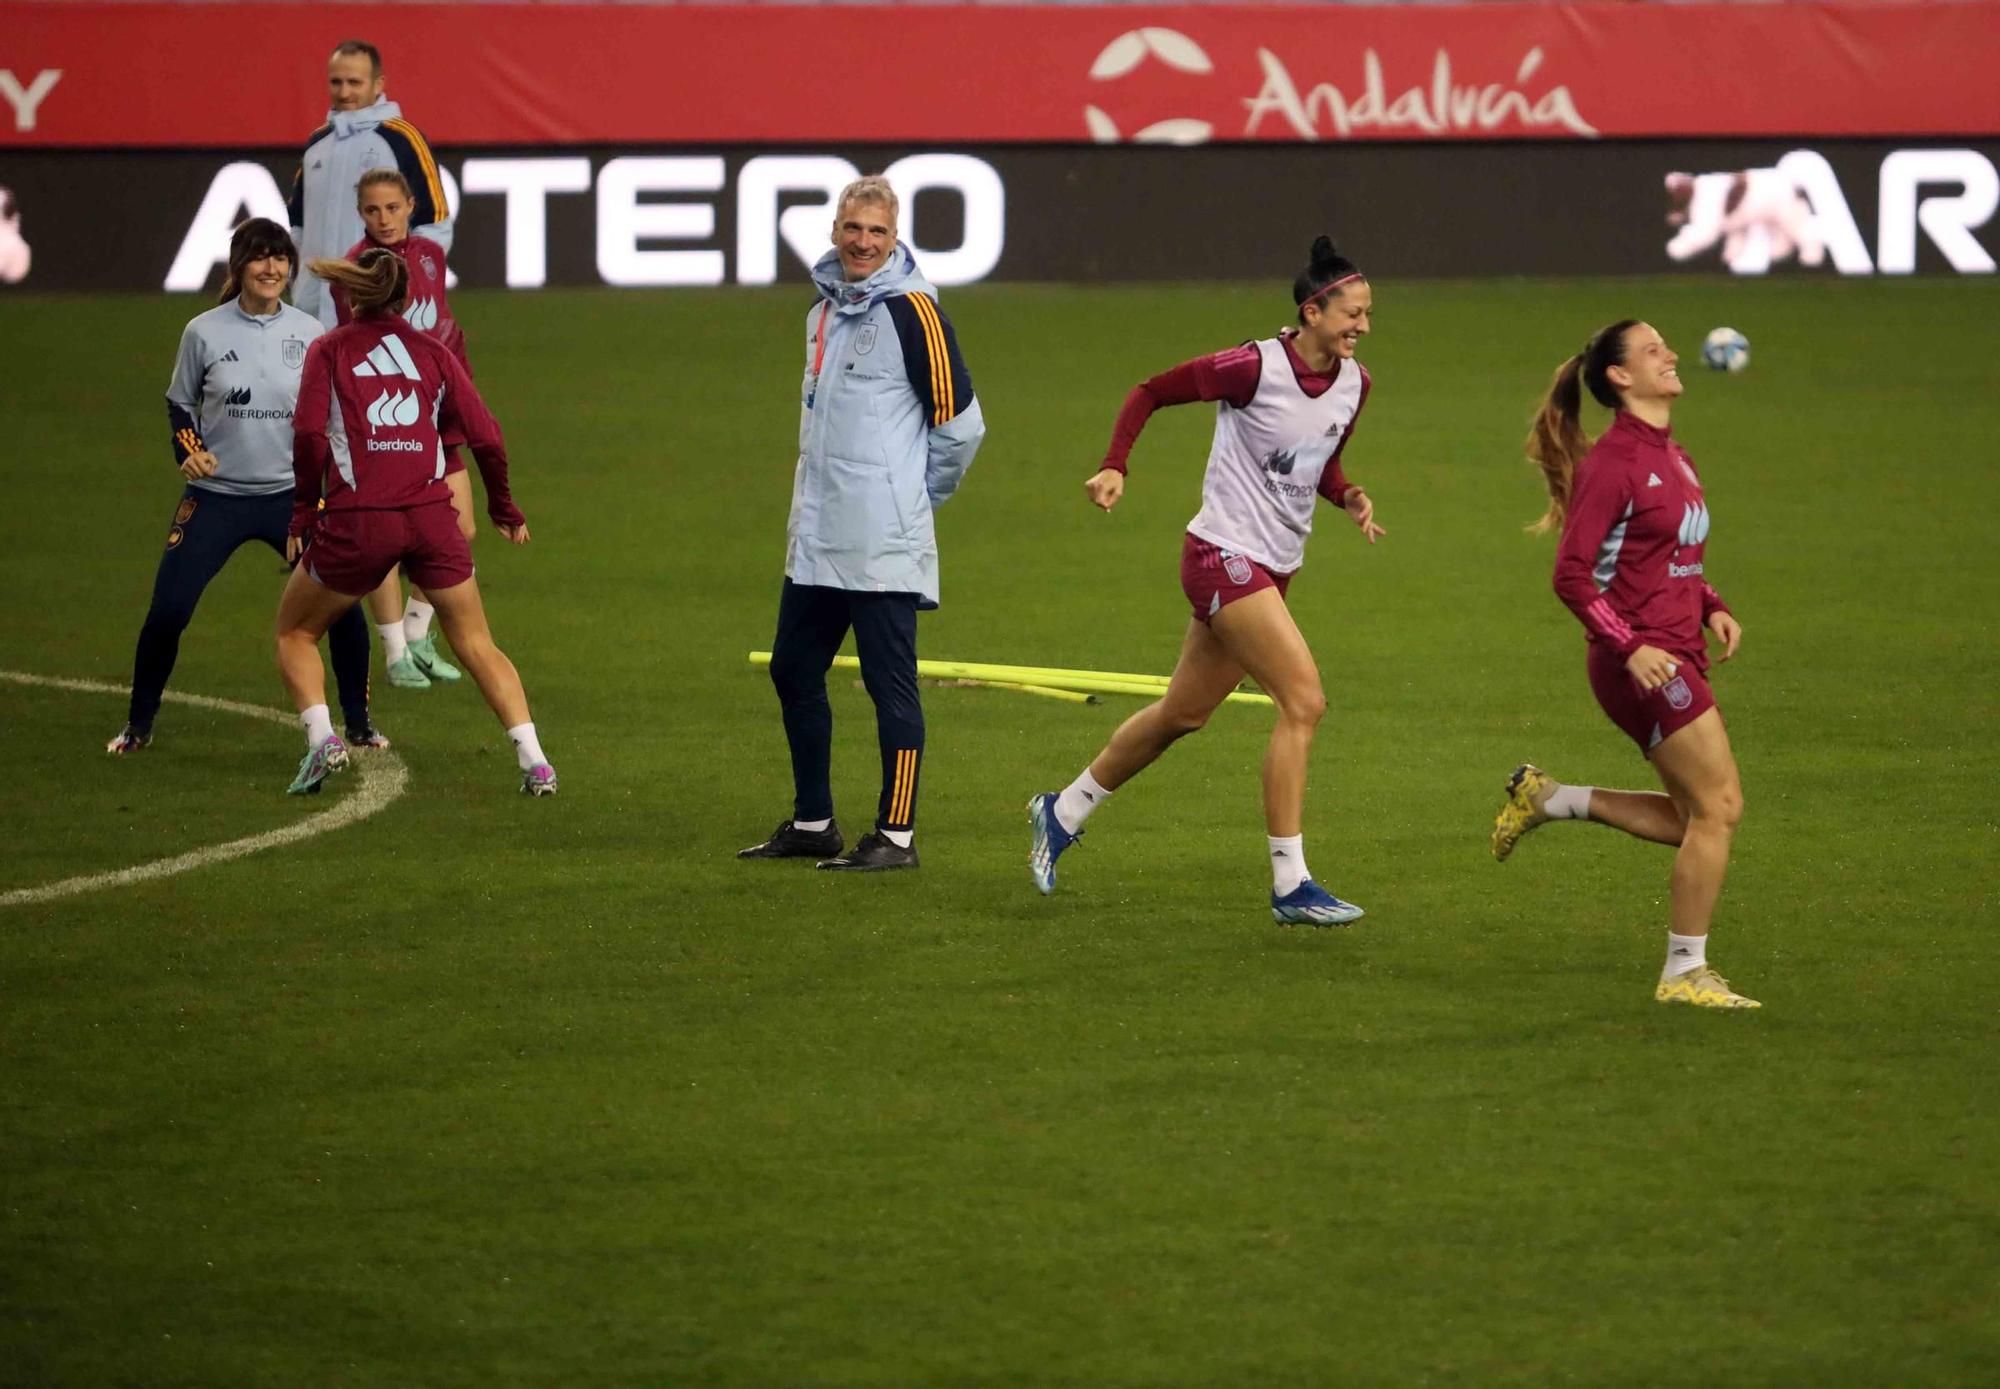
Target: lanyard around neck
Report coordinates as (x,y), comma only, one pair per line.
(819,341)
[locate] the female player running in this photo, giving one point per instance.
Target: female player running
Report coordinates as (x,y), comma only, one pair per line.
(374,400)
(1285,409)
(386,201)
(1634,525)
(230,402)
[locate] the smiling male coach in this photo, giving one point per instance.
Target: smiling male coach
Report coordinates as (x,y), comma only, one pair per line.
(888,424)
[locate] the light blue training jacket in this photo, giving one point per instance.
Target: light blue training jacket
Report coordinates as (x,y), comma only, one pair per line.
(888,424)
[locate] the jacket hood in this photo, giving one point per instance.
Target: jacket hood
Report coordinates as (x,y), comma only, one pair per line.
(898,275)
(346,123)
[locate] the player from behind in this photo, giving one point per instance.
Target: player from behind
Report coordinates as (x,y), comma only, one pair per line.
(373,402)
(1285,408)
(229,408)
(1634,525)
(409,650)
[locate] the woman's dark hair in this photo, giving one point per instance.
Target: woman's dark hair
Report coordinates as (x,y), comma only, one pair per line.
(1326,271)
(1556,441)
(255,239)
(377,283)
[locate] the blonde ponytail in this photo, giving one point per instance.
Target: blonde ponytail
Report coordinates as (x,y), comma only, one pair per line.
(378,283)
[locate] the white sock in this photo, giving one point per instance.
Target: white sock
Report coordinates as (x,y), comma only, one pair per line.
(1076,802)
(812,826)
(394,645)
(417,619)
(318,725)
(1288,863)
(1684,954)
(1568,803)
(902,839)
(527,747)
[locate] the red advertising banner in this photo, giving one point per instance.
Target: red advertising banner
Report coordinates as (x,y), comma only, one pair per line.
(86,74)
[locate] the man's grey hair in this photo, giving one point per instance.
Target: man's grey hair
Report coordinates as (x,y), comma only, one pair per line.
(869,188)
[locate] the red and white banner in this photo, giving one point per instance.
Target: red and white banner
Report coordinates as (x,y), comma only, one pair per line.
(84,74)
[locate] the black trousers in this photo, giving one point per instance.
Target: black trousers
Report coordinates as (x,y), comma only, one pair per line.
(208,528)
(812,623)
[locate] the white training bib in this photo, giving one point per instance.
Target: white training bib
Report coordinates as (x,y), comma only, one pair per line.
(1264,467)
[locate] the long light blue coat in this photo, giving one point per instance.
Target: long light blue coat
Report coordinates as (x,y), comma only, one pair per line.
(888,424)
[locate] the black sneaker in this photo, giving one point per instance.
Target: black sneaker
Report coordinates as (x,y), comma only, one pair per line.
(134,737)
(365,735)
(873,853)
(789,841)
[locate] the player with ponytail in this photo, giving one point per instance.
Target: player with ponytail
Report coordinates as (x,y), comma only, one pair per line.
(386,203)
(375,399)
(1630,565)
(1285,409)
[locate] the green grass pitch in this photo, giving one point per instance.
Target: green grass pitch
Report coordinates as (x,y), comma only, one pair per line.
(487,1091)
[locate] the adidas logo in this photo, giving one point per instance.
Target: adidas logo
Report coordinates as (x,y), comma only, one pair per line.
(239,396)
(1653,480)
(389,358)
(229,356)
(421,313)
(393,408)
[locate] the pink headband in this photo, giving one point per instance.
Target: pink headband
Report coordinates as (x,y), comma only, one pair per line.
(1316,295)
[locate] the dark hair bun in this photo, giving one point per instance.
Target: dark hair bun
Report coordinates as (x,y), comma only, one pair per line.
(1324,252)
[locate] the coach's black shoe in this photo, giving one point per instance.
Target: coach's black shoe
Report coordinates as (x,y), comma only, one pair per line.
(789,841)
(365,735)
(873,853)
(133,738)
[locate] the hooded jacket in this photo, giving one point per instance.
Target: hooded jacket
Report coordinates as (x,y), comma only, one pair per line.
(888,424)
(325,221)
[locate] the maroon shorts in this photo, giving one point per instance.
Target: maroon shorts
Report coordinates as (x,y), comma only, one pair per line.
(1648,719)
(353,551)
(1213,578)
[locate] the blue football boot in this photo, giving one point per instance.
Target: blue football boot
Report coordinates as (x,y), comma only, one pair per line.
(1050,839)
(1309,904)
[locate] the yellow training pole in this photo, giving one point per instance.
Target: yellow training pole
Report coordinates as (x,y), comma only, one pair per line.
(1091,682)
(1046,691)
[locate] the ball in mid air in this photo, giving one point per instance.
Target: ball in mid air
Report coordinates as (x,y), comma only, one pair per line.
(1725,349)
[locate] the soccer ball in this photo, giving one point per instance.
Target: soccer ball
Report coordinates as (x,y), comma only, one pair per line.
(1725,350)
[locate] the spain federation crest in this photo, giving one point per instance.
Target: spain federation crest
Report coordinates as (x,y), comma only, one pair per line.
(184,512)
(1677,692)
(864,343)
(1237,567)
(293,351)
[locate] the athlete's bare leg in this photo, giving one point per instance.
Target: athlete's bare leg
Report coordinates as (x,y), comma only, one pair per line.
(306,610)
(1204,674)
(385,604)
(1651,815)
(1260,636)
(463,617)
(1699,771)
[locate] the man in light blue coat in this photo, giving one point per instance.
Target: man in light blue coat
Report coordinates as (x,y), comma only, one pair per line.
(364,130)
(888,424)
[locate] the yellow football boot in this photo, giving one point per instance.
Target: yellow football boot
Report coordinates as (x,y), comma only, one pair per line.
(1704,988)
(1528,789)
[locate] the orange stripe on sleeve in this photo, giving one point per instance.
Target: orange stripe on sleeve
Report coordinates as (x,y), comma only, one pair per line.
(941,393)
(427,163)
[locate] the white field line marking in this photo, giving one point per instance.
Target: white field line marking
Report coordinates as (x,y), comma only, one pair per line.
(381,777)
